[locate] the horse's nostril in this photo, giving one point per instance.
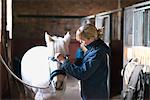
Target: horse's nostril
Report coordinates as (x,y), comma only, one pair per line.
(59,85)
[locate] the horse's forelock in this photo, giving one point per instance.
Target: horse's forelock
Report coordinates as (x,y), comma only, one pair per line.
(59,44)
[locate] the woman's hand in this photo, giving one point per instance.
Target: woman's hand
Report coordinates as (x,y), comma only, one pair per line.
(59,57)
(82,46)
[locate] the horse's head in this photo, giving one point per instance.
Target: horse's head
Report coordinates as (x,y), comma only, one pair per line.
(55,45)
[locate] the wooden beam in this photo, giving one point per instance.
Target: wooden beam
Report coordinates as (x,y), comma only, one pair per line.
(49,16)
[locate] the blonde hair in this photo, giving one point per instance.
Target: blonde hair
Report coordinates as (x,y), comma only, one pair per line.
(89,31)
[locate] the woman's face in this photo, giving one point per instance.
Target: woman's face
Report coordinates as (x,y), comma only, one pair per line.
(81,39)
(78,36)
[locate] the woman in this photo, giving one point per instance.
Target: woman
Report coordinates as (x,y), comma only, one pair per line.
(91,65)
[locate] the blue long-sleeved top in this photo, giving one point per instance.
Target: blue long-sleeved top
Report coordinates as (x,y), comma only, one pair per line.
(91,70)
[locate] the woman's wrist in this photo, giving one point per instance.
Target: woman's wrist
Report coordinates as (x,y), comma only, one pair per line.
(59,57)
(84,49)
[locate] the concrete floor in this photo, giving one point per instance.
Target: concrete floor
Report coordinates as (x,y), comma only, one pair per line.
(72,89)
(71,93)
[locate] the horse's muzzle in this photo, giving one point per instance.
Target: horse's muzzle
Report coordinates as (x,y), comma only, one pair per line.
(59,85)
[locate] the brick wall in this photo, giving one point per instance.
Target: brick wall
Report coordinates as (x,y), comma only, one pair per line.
(33,17)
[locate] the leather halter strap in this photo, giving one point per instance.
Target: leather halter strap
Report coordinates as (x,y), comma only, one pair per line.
(57,72)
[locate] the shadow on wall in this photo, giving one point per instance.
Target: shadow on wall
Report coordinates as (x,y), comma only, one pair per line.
(17,66)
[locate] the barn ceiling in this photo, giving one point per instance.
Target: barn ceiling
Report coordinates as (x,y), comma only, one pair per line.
(67,7)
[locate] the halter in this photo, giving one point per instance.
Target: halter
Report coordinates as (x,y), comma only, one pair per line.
(58,71)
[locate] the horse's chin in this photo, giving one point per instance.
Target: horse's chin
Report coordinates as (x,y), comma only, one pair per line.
(59,82)
(59,85)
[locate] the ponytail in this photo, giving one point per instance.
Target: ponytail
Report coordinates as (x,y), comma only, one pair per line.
(100,32)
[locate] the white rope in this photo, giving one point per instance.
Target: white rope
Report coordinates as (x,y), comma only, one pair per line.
(108,76)
(8,69)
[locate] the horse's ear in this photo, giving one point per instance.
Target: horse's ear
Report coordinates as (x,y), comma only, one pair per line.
(67,37)
(48,38)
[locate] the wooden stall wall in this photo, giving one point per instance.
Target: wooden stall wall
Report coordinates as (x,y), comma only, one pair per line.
(31,32)
(116,46)
(4,81)
(136,37)
(112,35)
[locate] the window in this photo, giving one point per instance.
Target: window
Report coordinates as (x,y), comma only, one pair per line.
(141,27)
(9,18)
(88,19)
(137,26)
(147,28)
(103,21)
(128,26)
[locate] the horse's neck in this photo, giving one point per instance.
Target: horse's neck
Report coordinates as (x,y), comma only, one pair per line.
(51,53)
(51,50)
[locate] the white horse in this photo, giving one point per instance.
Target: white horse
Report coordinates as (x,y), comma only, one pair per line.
(38,68)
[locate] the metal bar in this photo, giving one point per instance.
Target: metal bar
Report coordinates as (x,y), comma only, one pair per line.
(108,12)
(139,5)
(142,4)
(49,16)
(91,16)
(142,8)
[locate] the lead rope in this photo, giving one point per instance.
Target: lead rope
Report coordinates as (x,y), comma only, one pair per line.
(16,77)
(108,76)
